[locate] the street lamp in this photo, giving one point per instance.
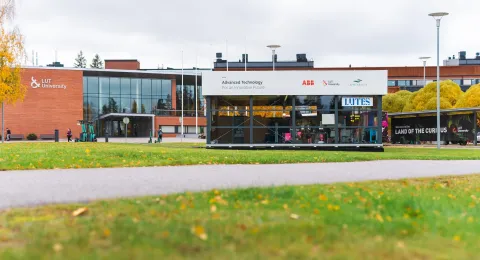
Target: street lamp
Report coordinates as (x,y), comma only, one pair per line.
(273,47)
(438,17)
(424,59)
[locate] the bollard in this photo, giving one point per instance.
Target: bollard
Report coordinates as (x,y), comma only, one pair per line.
(56,136)
(106,137)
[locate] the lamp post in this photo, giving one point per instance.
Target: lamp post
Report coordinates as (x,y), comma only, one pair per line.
(424,59)
(273,47)
(438,17)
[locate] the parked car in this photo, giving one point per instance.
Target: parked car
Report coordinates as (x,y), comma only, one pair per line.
(478,137)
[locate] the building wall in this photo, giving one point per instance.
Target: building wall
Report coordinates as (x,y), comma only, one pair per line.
(175,121)
(122,65)
(45,109)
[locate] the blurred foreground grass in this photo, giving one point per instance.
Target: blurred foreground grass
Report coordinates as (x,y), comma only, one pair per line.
(408,219)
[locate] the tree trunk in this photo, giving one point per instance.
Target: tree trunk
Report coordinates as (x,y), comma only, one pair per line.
(3,131)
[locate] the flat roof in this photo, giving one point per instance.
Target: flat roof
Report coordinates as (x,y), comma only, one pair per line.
(123,60)
(471,109)
(189,72)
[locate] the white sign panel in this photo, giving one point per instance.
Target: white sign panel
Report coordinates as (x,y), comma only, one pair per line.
(244,83)
(357,101)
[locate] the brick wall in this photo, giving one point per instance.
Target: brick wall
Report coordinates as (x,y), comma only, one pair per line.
(122,64)
(45,109)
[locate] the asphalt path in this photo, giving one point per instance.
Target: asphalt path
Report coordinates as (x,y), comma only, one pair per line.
(37,187)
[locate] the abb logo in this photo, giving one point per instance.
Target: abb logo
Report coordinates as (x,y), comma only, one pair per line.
(308,83)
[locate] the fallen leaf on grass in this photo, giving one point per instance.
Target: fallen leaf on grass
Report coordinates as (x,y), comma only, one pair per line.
(294,216)
(79,212)
(106,232)
(57,247)
(400,244)
(199,231)
(213,208)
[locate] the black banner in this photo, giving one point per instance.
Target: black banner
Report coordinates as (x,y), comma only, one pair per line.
(415,130)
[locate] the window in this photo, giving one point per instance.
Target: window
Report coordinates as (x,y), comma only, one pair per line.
(467,82)
(168,129)
(404,83)
(92,86)
(146,87)
(104,86)
(391,83)
(85,85)
(114,86)
(458,81)
(136,87)
(125,86)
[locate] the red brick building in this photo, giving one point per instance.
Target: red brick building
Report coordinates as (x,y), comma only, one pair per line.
(57,98)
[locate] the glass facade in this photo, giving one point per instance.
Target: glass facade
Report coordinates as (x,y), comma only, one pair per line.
(103,95)
(292,120)
(189,100)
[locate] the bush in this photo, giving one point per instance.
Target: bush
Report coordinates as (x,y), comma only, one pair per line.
(32,136)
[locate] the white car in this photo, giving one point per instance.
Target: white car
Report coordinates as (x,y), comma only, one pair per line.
(478,137)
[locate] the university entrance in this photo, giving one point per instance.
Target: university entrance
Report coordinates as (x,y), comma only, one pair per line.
(140,125)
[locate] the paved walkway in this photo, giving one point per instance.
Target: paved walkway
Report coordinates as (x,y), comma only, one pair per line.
(27,188)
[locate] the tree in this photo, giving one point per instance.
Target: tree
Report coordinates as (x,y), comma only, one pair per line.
(134,106)
(112,105)
(80,61)
(97,63)
(450,92)
(142,108)
(471,98)
(396,102)
(12,53)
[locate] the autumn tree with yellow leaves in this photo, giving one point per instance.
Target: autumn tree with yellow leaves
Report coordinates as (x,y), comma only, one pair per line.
(12,53)
(471,98)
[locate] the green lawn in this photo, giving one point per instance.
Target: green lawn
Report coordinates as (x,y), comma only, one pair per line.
(87,155)
(410,219)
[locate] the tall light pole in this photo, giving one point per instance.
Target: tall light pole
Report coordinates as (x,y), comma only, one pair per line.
(196,95)
(273,47)
(424,59)
(181,132)
(438,17)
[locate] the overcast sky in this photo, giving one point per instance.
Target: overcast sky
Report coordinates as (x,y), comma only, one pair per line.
(332,33)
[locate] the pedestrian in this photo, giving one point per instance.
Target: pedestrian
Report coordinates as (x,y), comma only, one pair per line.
(160,135)
(9,132)
(69,134)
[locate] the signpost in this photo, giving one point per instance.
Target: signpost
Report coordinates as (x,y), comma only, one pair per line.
(126,120)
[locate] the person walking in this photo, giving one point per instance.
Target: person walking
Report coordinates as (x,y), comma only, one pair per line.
(9,132)
(160,135)
(69,134)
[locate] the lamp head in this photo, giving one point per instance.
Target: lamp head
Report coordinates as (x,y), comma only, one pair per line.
(438,15)
(424,58)
(273,46)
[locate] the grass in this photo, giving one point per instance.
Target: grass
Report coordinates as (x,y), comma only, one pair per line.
(408,219)
(22,156)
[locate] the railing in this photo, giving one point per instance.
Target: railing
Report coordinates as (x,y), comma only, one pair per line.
(178,113)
